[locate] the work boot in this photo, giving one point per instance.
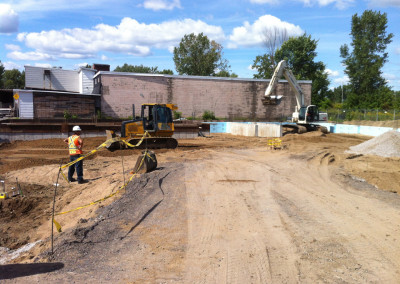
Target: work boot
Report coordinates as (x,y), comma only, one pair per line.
(71,180)
(82,181)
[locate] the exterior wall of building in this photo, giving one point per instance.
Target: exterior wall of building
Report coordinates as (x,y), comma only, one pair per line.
(49,105)
(51,79)
(229,98)
(86,80)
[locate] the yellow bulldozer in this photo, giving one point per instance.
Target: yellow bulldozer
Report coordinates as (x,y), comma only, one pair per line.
(156,120)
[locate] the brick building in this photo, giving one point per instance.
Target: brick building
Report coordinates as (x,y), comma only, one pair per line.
(230,98)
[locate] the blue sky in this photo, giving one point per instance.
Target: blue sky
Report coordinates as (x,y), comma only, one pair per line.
(70,33)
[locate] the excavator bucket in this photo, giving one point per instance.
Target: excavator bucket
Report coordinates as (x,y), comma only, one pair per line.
(113,142)
(145,163)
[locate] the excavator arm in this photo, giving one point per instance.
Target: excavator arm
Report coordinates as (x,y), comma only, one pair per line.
(282,69)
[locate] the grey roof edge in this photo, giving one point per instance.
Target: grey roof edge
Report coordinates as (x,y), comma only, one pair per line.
(51,91)
(128,74)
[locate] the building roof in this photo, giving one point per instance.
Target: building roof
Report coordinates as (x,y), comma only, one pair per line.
(128,74)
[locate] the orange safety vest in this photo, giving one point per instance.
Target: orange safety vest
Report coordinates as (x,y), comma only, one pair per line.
(73,145)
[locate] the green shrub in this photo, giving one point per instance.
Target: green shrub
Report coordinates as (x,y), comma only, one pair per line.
(177,115)
(208,115)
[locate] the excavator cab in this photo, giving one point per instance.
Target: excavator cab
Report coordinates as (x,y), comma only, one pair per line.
(308,114)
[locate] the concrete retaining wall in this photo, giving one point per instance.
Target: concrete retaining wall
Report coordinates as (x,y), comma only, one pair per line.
(9,137)
(260,129)
(275,129)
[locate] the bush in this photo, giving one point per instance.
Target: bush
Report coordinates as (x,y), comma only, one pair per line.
(67,115)
(208,115)
(177,115)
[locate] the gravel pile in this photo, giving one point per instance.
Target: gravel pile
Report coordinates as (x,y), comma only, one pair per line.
(385,145)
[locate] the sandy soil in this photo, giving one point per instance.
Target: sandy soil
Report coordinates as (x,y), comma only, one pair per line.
(224,209)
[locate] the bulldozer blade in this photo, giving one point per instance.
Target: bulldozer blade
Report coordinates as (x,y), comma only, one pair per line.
(113,142)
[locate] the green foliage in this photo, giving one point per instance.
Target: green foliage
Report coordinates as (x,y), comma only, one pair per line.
(177,114)
(67,115)
(141,69)
(197,55)
(299,53)
(13,79)
(208,115)
(225,73)
(264,65)
(364,63)
(340,115)
(1,75)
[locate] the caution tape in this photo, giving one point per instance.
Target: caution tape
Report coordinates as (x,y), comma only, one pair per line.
(109,141)
(58,226)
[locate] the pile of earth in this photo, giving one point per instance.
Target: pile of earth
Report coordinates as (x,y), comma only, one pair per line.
(384,145)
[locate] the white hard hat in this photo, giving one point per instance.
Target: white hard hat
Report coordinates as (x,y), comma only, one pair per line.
(76,128)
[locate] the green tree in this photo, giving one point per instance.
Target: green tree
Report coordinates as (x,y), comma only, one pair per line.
(13,79)
(273,38)
(1,75)
(299,53)
(225,73)
(265,65)
(141,69)
(364,63)
(197,55)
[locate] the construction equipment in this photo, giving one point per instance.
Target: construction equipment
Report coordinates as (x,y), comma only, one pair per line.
(156,120)
(4,194)
(304,116)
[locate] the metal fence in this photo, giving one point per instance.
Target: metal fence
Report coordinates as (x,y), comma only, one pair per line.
(340,115)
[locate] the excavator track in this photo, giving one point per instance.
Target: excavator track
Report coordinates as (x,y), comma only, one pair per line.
(156,143)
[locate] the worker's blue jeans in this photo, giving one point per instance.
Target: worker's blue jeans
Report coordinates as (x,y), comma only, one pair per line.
(77,165)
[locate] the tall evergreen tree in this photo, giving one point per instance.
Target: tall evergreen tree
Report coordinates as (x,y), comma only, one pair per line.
(364,63)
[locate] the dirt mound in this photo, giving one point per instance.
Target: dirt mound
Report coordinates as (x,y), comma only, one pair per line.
(385,145)
(13,232)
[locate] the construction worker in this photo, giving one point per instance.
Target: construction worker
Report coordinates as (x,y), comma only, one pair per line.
(75,145)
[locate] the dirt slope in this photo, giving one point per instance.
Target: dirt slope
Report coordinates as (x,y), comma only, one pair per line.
(237,214)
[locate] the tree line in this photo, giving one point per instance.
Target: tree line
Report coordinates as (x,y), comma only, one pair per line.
(11,79)
(363,61)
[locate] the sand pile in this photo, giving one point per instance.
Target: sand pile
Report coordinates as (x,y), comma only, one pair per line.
(385,145)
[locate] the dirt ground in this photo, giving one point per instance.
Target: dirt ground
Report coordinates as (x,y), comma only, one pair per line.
(223,209)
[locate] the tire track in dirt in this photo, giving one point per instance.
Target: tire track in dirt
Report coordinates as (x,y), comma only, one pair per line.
(241,240)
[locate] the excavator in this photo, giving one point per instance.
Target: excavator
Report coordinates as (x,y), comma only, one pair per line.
(305,116)
(156,120)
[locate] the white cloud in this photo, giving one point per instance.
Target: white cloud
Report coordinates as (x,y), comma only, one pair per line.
(104,57)
(43,65)
(389,76)
(342,80)
(331,72)
(12,47)
(9,19)
(384,3)
(157,5)
(11,65)
(130,37)
(33,55)
(250,67)
(250,35)
(83,64)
